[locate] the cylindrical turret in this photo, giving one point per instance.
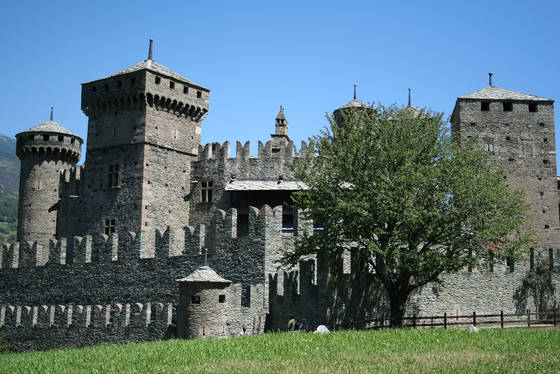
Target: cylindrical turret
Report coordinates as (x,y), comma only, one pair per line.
(202,305)
(44,151)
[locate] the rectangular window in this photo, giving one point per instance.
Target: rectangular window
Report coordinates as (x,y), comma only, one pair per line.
(195,299)
(198,94)
(206,192)
(185,90)
(510,264)
(485,106)
(508,107)
(109,225)
(533,108)
(113,175)
(172,85)
(287,220)
(246,295)
(158,80)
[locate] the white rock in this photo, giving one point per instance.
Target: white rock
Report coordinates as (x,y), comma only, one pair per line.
(321,329)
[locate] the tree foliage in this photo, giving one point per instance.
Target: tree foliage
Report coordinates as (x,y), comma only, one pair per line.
(392,184)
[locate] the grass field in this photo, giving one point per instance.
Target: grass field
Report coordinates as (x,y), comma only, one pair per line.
(388,351)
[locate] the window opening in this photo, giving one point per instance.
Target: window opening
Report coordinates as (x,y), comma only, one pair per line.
(510,264)
(195,299)
(113,175)
(533,108)
(185,90)
(508,107)
(198,94)
(172,85)
(109,226)
(222,298)
(158,80)
(485,106)
(206,192)
(287,221)
(246,295)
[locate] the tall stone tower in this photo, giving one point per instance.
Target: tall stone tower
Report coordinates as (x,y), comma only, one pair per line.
(44,151)
(143,132)
(517,130)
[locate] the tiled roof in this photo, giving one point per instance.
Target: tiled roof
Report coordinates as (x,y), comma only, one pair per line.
(265,185)
(497,93)
(204,274)
(49,126)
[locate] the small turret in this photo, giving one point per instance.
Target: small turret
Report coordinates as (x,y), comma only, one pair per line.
(202,304)
(281,123)
(44,150)
(354,105)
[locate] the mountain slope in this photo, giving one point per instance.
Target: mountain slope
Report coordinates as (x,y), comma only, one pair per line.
(9,181)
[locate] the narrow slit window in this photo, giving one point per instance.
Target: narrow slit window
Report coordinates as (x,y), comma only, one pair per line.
(246,296)
(551,258)
(172,85)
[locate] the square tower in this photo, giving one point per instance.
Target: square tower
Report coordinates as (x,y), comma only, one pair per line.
(517,130)
(144,130)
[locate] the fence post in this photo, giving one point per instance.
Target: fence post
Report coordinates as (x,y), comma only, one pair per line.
(528,317)
(502,319)
(445,320)
(474,318)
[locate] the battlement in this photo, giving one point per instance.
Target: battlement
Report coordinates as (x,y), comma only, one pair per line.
(187,242)
(88,316)
(221,151)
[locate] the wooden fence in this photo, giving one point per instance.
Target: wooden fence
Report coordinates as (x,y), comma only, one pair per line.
(529,319)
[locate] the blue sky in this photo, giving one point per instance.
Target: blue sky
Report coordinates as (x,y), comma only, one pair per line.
(256,56)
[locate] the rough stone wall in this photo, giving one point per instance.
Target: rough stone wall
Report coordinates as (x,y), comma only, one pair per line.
(44,156)
(522,142)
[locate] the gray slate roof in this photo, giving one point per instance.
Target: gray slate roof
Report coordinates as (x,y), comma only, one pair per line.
(355,104)
(265,185)
(156,68)
(497,93)
(49,126)
(203,274)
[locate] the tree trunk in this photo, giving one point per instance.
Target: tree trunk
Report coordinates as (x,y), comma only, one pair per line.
(397,305)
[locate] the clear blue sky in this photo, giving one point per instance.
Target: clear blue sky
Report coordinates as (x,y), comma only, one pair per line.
(255,56)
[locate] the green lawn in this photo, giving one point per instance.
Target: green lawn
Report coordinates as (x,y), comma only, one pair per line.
(388,351)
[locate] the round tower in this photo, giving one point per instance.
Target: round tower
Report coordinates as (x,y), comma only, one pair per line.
(355,105)
(202,305)
(44,151)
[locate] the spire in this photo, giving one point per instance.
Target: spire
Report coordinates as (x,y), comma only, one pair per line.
(281,123)
(490,78)
(409,97)
(150,50)
(52,112)
(355,95)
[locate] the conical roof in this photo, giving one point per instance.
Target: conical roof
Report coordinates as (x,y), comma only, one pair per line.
(498,93)
(281,113)
(203,274)
(49,126)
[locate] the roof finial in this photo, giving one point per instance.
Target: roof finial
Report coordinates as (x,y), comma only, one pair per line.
(355,95)
(409,97)
(150,50)
(490,78)
(52,112)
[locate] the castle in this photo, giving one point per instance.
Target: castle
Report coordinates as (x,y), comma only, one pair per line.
(156,236)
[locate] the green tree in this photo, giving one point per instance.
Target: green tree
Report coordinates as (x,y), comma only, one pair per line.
(392,184)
